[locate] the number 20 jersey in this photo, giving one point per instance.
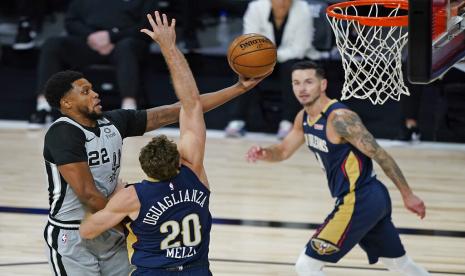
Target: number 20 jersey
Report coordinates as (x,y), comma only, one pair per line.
(174,222)
(347,169)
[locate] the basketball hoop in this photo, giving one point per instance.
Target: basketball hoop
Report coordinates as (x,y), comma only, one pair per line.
(370,38)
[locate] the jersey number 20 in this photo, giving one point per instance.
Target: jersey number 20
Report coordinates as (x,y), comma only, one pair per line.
(189,229)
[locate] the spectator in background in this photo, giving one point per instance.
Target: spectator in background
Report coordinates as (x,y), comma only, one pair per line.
(104,31)
(288,24)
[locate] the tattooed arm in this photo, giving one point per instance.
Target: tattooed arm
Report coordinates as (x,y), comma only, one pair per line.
(348,126)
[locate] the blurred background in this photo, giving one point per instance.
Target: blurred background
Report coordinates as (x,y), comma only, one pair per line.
(205,29)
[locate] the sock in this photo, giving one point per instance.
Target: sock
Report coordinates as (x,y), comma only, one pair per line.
(404,265)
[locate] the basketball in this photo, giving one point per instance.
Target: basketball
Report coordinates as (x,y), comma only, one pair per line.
(252,55)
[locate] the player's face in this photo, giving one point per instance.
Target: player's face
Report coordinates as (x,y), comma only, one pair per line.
(307,86)
(86,100)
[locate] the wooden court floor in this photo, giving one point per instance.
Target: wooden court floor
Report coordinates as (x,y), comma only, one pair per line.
(263,213)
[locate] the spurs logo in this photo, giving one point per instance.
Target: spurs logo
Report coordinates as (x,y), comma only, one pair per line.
(64,238)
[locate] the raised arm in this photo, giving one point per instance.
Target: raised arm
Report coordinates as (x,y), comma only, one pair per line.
(349,127)
(283,150)
(168,114)
(192,124)
(123,203)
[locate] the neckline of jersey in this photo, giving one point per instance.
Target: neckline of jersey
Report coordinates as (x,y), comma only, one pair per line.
(311,123)
(154,180)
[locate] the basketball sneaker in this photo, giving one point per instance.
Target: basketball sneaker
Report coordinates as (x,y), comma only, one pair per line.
(25,36)
(39,119)
(409,134)
(235,129)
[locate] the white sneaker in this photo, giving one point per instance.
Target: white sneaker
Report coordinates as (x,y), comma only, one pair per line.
(235,129)
(284,128)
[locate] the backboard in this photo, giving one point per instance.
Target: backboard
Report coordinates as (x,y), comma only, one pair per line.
(436,38)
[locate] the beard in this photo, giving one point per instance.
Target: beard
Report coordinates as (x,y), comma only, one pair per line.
(91,114)
(94,115)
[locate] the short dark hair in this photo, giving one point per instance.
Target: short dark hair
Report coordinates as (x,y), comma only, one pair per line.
(308,64)
(159,159)
(58,85)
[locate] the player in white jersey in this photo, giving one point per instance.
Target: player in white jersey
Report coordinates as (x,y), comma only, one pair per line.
(82,152)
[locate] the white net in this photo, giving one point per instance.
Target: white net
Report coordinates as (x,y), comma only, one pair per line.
(371,55)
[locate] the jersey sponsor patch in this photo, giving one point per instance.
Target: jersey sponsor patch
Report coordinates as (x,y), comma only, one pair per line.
(319,126)
(109,133)
(323,247)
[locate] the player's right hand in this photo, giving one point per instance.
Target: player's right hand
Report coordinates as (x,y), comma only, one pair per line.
(255,153)
(249,83)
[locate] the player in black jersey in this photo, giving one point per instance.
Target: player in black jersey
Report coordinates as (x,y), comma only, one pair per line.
(171,222)
(345,149)
(82,152)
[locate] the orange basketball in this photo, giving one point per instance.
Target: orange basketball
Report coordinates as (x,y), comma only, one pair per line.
(252,55)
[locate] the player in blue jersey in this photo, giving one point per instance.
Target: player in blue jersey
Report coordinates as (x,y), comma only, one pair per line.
(345,149)
(170,221)
(82,154)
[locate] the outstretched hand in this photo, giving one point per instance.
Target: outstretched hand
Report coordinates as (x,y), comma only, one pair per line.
(255,153)
(249,83)
(414,204)
(162,32)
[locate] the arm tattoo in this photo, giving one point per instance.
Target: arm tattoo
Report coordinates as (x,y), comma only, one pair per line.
(162,115)
(349,126)
(169,114)
(391,169)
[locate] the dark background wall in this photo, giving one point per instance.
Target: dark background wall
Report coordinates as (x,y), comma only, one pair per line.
(442,113)
(18,78)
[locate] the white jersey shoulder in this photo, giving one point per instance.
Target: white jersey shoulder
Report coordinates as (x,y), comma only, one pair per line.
(104,158)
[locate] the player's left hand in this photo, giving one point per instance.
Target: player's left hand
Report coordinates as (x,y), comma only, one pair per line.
(255,153)
(414,204)
(162,32)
